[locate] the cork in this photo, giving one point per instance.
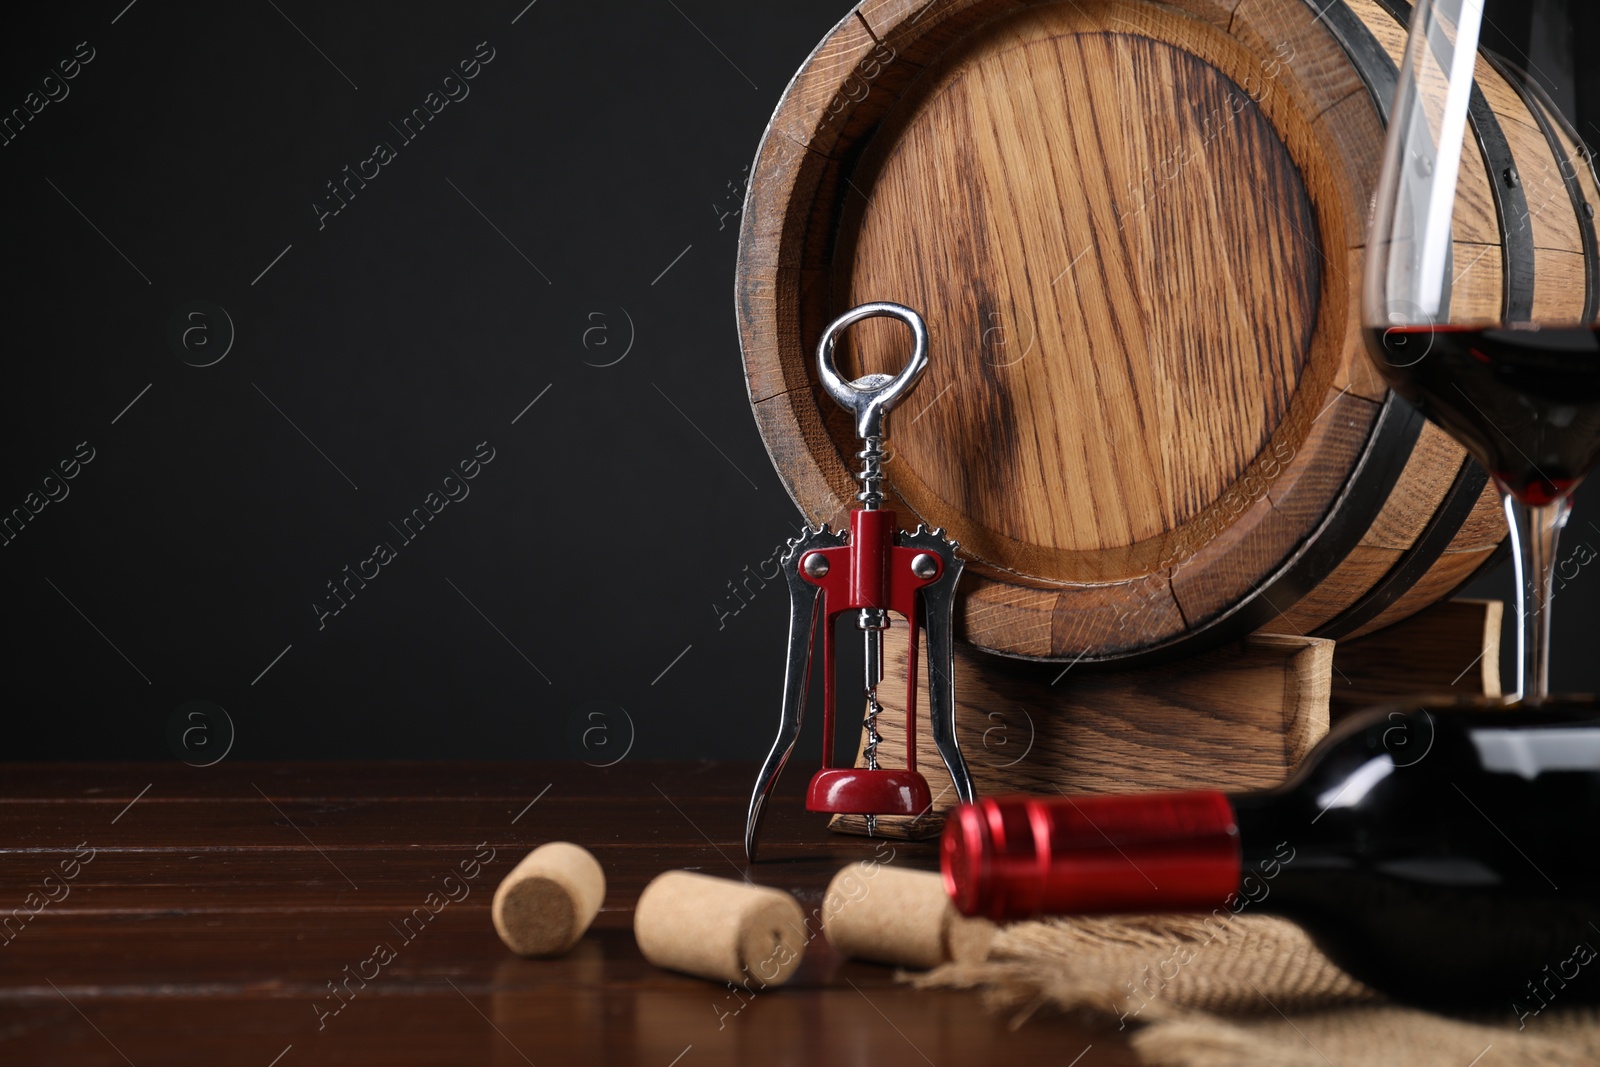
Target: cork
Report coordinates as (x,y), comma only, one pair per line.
(904,917)
(548,900)
(721,929)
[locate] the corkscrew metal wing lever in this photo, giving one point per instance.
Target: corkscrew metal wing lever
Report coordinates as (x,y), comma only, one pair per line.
(873,570)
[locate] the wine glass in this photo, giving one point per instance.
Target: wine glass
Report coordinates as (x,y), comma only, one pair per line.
(1497,344)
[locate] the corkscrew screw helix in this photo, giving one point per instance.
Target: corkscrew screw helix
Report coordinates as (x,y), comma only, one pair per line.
(872,570)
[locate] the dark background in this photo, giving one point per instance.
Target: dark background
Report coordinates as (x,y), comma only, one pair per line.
(579,203)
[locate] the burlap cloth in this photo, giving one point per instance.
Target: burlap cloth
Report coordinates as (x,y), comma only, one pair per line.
(1246,991)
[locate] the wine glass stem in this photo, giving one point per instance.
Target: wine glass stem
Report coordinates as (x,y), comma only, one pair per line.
(1534,530)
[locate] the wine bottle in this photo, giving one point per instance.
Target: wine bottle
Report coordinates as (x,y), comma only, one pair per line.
(1443,854)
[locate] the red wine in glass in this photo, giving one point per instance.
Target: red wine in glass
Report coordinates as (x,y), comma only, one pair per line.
(1522,396)
(1524,401)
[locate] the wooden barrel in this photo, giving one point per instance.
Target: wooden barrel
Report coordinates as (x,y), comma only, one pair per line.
(1135,231)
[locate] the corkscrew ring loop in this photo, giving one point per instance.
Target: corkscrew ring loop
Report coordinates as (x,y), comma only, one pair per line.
(871,396)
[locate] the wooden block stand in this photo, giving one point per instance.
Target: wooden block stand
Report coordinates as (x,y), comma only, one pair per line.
(1240,717)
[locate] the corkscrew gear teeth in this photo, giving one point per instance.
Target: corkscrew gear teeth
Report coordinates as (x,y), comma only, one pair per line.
(872,570)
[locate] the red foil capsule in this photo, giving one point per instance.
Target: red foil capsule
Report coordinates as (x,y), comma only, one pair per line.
(1018,857)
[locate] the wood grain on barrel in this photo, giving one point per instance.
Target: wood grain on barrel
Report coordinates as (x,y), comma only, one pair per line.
(1180,333)
(1554,224)
(1417,495)
(1558,288)
(1479,539)
(1189,188)
(1449,572)
(1477,291)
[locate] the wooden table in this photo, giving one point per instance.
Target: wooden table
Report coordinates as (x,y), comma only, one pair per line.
(211,915)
